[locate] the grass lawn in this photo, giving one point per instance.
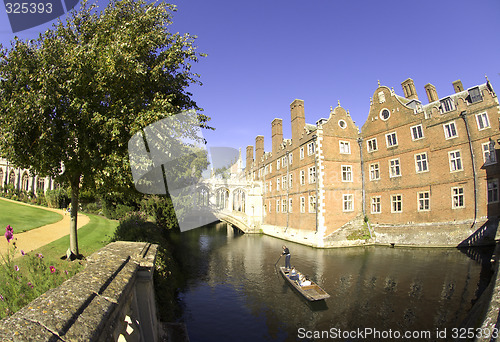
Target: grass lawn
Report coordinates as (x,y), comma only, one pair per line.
(23,217)
(91,237)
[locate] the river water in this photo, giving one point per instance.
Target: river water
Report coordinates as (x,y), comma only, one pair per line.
(233,291)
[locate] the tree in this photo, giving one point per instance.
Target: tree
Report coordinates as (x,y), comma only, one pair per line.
(71,99)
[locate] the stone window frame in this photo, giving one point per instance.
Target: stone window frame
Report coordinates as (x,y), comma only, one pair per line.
(347,199)
(290,180)
(424,200)
(457,194)
(311,148)
(283,161)
(301,153)
(482,119)
(343,144)
(495,198)
(377,170)
(424,161)
(302,204)
(284,206)
(270,206)
(394,201)
(380,114)
(371,147)
(290,158)
(312,204)
(270,185)
(278,183)
(312,175)
(396,168)
(455,161)
(393,142)
(448,132)
(277,164)
(277,205)
(283,182)
(290,204)
(378,204)
(342,124)
(489,153)
(347,173)
(413,132)
(302,177)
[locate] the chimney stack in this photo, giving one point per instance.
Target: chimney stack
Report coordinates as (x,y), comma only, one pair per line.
(298,119)
(249,160)
(457,86)
(277,135)
(259,148)
(409,89)
(431,92)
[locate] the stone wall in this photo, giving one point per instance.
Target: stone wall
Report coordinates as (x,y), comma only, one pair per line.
(111,299)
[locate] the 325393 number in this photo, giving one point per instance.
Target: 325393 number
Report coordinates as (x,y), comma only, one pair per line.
(27,7)
(460,333)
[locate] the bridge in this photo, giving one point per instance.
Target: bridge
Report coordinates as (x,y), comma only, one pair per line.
(234,200)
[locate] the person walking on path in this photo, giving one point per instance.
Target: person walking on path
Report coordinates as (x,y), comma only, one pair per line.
(286,253)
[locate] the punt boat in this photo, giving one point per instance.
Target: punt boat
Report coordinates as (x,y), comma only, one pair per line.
(312,292)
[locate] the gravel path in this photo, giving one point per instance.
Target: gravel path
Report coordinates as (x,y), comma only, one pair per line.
(41,236)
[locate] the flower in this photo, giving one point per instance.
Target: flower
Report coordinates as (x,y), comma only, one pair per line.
(16,267)
(9,233)
(40,255)
(22,252)
(30,284)
(52,269)
(66,272)
(1,297)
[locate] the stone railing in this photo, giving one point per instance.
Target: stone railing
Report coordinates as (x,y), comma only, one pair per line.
(112,299)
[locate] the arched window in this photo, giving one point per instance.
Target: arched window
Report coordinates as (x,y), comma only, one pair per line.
(203,196)
(239,200)
(12,178)
(40,184)
(25,182)
(222,198)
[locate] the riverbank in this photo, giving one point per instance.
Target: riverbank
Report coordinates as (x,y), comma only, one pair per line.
(449,234)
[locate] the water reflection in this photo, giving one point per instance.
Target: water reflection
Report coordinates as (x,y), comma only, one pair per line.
(234,293)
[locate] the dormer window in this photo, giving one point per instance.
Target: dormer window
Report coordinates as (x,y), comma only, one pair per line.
(475,95)
(447,105)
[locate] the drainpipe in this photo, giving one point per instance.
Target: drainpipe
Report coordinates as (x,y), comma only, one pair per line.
(363,190)
(463,115)
(316,152)
(360,143)
(287,189)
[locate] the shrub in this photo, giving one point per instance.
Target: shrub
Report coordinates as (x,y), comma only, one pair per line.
(92,208)
(162,209)
(57,198)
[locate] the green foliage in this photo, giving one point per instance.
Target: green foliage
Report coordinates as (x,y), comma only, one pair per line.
(71,99)
(57,198)
(162,209)
(24,279)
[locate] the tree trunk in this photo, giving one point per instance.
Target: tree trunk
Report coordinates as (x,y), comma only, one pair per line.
(73,235)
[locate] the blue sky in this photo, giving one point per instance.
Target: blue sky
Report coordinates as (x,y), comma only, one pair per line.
(264,54)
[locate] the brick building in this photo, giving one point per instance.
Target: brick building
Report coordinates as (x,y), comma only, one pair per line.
(411,163)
